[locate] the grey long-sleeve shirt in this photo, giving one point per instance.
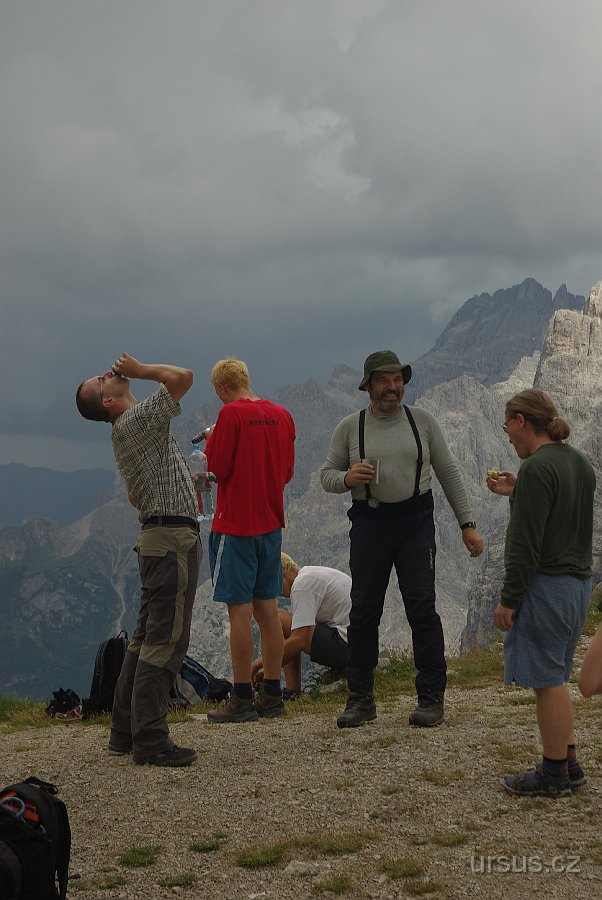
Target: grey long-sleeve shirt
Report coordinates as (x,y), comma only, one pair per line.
(390,440)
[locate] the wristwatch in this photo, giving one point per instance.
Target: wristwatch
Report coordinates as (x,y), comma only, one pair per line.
(468,525)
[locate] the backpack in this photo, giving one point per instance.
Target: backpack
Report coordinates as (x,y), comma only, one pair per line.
(35,842)
(64,702)
(107,667)
(194,684)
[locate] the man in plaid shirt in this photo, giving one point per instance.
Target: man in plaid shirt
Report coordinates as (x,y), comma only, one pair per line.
(160,486)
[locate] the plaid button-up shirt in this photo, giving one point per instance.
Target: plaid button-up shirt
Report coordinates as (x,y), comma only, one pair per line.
(148,457)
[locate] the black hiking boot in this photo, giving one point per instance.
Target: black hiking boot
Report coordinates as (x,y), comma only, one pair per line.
(172,758)
(428,713)
(360,708)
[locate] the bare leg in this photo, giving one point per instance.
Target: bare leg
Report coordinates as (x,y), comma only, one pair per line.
(241,641)
(272,638)
(292,670)
(555,720)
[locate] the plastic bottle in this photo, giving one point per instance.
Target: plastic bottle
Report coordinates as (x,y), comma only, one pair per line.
(198,467)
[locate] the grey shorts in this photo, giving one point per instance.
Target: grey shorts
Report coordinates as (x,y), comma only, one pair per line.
(539,648)
(328,648)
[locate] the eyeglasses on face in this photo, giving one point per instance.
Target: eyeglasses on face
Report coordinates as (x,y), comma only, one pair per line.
(505,425)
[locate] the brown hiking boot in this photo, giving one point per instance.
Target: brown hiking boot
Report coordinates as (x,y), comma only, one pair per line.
(269,706)
(235,710)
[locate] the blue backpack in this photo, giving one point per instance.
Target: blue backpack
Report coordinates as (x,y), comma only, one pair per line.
(194,684)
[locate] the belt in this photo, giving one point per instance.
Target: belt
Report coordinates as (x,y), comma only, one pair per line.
(172,520)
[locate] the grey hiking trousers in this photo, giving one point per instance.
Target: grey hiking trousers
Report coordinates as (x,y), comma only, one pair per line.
(169,558)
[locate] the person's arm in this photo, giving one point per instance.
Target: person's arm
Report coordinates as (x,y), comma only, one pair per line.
(533,497)
(221,444)
(450,478)
(176,379)
(590,676)
(298,641)
(502,484)
(335,473)
(503,617)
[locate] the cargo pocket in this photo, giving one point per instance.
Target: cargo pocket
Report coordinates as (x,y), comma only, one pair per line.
(159,578)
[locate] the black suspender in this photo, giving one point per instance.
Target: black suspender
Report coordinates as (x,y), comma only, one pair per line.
(419,446)
(372,501)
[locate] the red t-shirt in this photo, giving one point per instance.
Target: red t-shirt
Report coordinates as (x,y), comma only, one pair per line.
(251,452)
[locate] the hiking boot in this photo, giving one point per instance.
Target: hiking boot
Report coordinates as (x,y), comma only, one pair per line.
(537,783)
(174,757)
(360,708)
(119,749)
(429,712)
(577,776)
(235,710)
(269,706)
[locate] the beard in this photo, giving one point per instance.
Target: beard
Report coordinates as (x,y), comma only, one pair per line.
(386,402)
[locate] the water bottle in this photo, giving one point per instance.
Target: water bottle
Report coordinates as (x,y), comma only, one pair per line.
(202,481)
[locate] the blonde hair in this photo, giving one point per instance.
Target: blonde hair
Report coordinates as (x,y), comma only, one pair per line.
(539,409)
(232,373)
(287,563)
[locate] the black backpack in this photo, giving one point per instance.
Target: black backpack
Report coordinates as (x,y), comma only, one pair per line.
(35,842)
(107,667)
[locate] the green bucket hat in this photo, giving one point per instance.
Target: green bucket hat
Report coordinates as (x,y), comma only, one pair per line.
(384,361)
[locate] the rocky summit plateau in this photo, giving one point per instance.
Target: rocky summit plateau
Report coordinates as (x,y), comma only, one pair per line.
(68,587)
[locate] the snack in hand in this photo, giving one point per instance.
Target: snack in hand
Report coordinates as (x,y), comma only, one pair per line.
(492,473)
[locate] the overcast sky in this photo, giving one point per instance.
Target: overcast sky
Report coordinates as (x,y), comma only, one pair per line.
(294,182)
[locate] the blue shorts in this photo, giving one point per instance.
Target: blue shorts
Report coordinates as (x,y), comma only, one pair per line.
(539,648)
(245,568)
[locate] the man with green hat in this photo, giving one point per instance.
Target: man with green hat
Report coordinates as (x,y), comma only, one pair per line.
(385,456)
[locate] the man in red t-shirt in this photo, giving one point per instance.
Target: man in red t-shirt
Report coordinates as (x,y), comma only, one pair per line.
(250,450)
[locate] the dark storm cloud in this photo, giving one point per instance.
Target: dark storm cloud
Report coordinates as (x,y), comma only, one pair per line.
(194,179)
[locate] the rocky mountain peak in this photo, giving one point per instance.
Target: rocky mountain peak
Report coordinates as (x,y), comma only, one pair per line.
(593,307)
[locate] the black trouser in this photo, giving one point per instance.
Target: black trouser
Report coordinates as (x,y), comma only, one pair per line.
(378,544)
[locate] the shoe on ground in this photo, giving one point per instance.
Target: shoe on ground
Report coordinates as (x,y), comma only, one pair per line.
(173,758)
(538,783)
(236,709)
(269,706)
(577,776)
(360,708)
(119,749)
(428,713)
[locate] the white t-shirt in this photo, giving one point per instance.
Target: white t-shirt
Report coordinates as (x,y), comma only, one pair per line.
(321,595)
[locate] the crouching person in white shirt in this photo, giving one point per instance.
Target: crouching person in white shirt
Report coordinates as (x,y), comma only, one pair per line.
(316,624)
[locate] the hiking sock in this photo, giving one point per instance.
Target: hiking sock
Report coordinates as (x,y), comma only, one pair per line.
(571,753)
(272,686)
(242,689)
(555,767)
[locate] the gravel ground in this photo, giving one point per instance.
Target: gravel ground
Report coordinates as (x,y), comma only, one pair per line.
(393,811)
